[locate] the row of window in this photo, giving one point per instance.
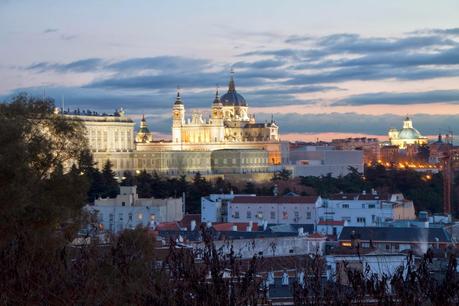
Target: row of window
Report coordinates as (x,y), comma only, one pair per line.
(272,215)
(139,216)
(233,161)
(363,206)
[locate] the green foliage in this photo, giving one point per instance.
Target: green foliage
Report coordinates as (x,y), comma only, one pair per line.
(35,144)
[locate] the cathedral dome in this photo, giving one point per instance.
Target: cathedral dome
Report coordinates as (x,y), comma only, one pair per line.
(232,98)
(409,133)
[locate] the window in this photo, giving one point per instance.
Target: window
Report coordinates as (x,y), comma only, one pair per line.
(308,215)
(120,215)
(361,220)
(363,205)
(236,215)
(371,205)
(284,215)
(273,215)
(130,216)
(348,219)
(249,214)
(111,218)
(101,217)
(345,205)
(260,215)
(297,214)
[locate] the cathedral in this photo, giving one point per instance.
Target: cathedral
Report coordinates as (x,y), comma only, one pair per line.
(229,122)
(229,141)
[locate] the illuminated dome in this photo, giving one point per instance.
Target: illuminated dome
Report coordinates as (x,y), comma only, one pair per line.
(409,133)
(232,98)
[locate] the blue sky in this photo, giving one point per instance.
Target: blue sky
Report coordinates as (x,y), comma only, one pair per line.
(318,66)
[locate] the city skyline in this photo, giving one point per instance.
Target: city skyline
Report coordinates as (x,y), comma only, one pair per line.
(335,69)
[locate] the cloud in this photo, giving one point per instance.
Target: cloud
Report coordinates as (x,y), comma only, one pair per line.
(84,65)
(358,123)
(436,96)
(68,36)
(280,76)
(161,63)
(262,64)
(50,30)
(294,39)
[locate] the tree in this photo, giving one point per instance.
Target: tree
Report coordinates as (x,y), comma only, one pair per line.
(40,204)
(249,188)
(128,179)
(86,166)
(110,184)
(282,175)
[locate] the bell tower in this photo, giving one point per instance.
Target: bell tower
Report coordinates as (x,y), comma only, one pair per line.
(217,108)
(178,118)
(218,129)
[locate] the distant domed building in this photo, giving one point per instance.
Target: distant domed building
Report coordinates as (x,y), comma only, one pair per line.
(408,135)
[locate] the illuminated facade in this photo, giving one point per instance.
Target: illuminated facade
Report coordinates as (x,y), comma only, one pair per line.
(109,137)
(229,141)
(408,135)
(230,126)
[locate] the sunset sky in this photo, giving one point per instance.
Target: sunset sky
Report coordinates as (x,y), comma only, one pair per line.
(322,68)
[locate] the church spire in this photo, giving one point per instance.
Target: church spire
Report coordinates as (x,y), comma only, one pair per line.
(217,97)
(178,99)
(231,85)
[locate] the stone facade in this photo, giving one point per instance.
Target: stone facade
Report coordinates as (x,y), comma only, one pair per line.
(198,145)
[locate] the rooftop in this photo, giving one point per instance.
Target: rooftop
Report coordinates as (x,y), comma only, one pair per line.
(395,234)
(275,200)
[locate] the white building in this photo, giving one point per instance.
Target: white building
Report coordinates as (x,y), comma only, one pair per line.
(128,211)
(274,209)
(322,160)
(270,247)
(214,208)
(375,263)
(366,209)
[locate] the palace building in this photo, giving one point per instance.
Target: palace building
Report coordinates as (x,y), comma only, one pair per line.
(228,141)
(408,135)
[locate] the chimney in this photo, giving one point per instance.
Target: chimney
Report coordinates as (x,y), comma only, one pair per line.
(193,225)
